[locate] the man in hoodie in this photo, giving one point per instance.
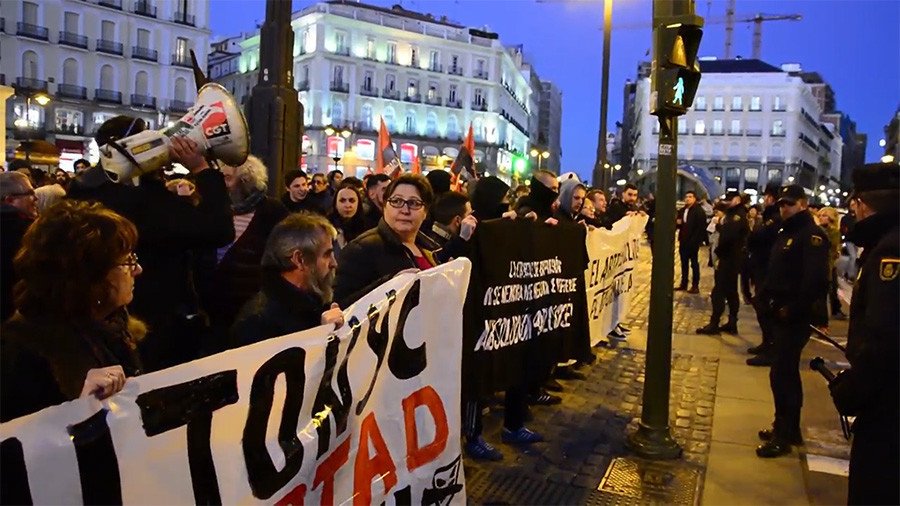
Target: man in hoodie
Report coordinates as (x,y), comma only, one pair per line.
(544,192)
(571,199)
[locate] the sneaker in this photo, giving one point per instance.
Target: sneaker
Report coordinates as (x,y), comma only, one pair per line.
(553,385)
(522,436)
(623,329)
(543,398)
(479,449)
(615,335)
(709,330)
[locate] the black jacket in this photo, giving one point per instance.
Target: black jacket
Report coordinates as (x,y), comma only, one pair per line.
(12,228)
(444,245)
(370,260)
(306,204)
(372,214)
(616,210)
(798,276)
(733,232)
(760,241)
(45,359)
(692,232)
(278,309)
(539,200)
(237,277)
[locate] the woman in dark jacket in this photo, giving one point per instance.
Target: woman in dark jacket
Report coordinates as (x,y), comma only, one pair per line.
(237,272)
(71,336)
(347,216)
(394,245)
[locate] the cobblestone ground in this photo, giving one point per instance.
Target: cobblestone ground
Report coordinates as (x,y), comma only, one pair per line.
(588,430)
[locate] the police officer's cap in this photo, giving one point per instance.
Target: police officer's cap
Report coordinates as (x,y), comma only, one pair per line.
(791,193)
(731,194)
(876,176)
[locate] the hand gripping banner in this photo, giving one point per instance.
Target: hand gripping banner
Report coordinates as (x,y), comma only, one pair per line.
(367,414)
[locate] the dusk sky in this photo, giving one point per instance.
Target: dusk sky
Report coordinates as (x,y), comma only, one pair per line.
(853,44)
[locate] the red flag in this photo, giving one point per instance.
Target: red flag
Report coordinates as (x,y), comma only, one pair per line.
(416,167)
(385,156)
(465,160)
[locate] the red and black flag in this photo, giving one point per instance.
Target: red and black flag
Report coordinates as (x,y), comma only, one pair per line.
(386,159)
(465,160)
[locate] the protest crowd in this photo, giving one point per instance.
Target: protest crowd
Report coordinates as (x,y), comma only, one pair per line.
(104,280)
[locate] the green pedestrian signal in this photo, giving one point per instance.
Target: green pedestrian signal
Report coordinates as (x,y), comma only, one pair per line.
(676,72)
(679,91)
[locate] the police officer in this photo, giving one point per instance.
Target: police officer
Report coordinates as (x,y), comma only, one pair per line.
(759,245)
(798,277)
(733,231)
(870,389)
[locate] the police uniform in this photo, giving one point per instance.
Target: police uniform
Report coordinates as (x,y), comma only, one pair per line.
(798,276)
(733,231)
(870,389)
(759,245)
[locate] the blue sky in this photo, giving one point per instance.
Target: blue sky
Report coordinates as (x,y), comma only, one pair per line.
(853,44)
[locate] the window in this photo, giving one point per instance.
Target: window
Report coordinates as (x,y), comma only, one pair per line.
(366,117)
(365,149)
(452,127)
(414,56)
(390,82)
(143,38)
(182,49)
(699,127)
(29,13)
(479,96)
(479,66)
(340,42)
(107,78)
(432,91)
(751,177)
(181,89)
(734,150)
(451,93)
(755,104)
(337,113)
(392,52)
(778,127)
(454,61)
(108,31)
(69,121)
(478,127)
(774,176)
(367,80)
(700,103)
(431,125)
(70,71)
(411,122)
(682,125)
(733,177)
(141,84)
(338,74)
(71,22)
(777,104)
(413,88)
(718,104)
(735,127)
(698,150)
(370,48)
(32,117)
(434,60)
(737,103)
(30,65)
(390,119)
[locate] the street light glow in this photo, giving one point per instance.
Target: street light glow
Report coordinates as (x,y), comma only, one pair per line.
(621,182)
(887,158)
(618,166)
(605,165)
(42,99)
(791,179)
(534,153)
(329,130)
(882,143)
(822,187)
(545,154)
(345,134)
(640,172)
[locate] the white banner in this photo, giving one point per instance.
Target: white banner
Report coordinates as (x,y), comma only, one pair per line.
(609,276)
(365,414)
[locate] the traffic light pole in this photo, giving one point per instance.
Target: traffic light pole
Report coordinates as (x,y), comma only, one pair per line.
(653,438)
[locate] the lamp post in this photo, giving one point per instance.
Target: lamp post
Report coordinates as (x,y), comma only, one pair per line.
(540,155)
(600,174)
(42,100)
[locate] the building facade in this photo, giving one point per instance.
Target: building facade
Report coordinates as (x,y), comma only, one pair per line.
(751,124)
(550,124)
(427,77)
(891,142)
(96,59)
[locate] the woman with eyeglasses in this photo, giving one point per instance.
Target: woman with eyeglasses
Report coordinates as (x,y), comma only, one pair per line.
(391,247)
(72,335)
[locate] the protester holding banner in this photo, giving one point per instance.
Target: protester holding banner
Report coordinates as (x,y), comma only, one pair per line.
(544,192)
(452,227)
(71,335)
(298,272)
(490,198)
(392,246)
(347,217)
(571,200)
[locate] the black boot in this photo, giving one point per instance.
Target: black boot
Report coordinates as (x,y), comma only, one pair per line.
(759,349)
(774,448)
(730,327)
(709,330)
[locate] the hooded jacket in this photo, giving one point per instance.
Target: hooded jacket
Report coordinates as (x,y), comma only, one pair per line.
(540,200)
(566,191)
(487,198)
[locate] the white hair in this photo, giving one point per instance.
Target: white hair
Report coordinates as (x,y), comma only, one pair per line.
(252,174)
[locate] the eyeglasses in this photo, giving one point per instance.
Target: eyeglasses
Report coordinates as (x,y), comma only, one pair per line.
(412,204)
(131,262)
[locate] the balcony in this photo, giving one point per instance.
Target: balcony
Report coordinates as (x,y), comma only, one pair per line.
(67,129)
(303,85)
(73,39)
(143,53)
(32,31)
(112,97)
(110,47)
(368,91)
(434,100)
(391,94)
(144,8)
(392,60)
(71,91)
(339,86)
(179,105)
(436,67)
(181,60)
(480,74)
(30,132)
(736,132)
(779,108)
(479,106)
(716,132)
(455,103)
(29,84)
(342,51)
(413,97)
(143,101)
(112,4)
(754,132)
(777,133)
(718,108)
(183,18)
(456,71)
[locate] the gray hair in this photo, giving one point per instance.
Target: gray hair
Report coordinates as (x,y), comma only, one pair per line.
(252,175)
(302,232)
(48,195)
(12,183)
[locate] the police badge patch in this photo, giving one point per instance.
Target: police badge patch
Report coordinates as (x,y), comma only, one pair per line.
(736,218)
(815,240)
(890,267)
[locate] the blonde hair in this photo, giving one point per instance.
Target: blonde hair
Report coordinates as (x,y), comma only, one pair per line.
(834,220)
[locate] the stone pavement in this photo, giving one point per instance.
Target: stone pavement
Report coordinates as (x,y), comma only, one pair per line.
(717,404)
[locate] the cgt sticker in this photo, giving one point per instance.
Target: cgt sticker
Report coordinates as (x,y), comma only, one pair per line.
(215,124)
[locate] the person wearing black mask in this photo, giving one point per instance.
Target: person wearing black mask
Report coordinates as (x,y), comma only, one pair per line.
(544,192)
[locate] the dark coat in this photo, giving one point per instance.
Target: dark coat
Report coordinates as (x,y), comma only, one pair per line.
(237,277)
(168,227)
(870,389)
(616,210)
(278,309)
(372,213)
(12,228)
(539,200)
(370,260)
(760,241)
(306,204)
(692,231)
(733,232)
(45,360)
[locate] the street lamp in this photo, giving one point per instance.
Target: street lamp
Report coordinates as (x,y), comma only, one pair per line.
(539,155)
(42,99)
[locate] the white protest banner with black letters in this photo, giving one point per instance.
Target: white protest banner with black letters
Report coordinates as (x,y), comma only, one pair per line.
(365,414)
(609,276)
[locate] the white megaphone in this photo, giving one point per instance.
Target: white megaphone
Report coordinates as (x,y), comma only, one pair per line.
(215,122)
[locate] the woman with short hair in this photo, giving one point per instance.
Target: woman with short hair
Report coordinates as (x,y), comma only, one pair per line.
(72,335)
